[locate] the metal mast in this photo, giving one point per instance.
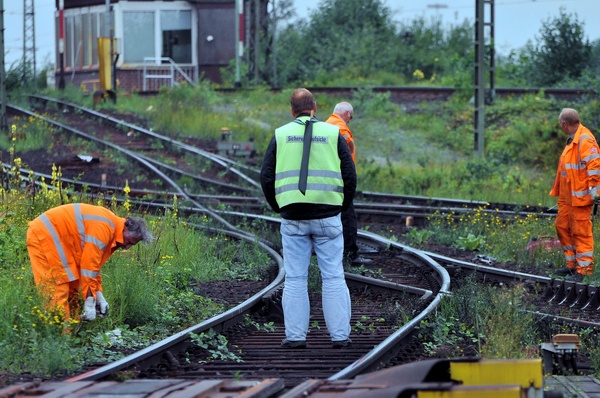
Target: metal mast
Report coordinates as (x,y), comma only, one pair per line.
(3,120)
(29,71)
(480,95)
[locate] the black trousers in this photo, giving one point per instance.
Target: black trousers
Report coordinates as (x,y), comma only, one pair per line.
(349,226)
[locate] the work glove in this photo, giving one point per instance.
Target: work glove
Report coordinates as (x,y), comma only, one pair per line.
(595,197)
(101,305)
(89,309)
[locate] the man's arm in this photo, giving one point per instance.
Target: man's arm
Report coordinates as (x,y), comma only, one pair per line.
(92,258)
(348,172)
(267,175)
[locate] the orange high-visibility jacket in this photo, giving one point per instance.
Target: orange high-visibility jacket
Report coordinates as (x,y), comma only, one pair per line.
(580,164)
(77,239)
(345,132)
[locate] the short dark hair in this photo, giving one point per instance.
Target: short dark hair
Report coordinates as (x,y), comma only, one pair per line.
(302,100)
(138,230)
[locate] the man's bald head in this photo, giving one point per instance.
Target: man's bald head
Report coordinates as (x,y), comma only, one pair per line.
(569,116)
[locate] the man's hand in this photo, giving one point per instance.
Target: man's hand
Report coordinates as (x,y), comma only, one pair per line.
(89,309)
(101,305)
(595,197)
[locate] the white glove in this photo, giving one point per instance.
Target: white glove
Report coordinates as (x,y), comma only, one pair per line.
(89,309)
(595,197)
(101,305)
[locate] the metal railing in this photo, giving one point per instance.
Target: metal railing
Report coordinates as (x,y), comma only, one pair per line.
(172,70)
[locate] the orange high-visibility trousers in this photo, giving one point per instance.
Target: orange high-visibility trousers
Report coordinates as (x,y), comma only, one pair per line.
(62,297)
(574,230)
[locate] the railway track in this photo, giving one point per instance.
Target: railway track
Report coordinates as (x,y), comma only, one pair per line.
(398,284)
(411,94)
(409,285)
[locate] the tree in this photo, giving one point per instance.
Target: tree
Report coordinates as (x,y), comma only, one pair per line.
(340,35)
(561,52)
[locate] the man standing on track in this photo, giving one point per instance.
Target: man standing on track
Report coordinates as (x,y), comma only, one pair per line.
(343,112)
(308,176)
(576,184)
(69,244)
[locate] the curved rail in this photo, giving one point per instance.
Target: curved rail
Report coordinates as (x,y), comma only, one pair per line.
(367,362)
(215,322)
(131,154)
(569,293)
(228,315)
(220,160)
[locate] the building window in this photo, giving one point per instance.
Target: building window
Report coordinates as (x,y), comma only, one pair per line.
(138,36)
(176,29)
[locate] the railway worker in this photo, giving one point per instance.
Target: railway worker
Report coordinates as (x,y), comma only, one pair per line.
(308,176)
(343,112)
(69,244)
(576,184)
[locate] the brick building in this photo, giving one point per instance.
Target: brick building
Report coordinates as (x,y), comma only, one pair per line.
(148,44)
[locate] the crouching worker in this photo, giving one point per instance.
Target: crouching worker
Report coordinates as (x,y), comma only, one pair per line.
(69,244)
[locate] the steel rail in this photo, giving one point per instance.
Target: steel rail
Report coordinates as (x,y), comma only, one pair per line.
(177,338)
(183,335)
(132,155)
(220,160)
(374,356)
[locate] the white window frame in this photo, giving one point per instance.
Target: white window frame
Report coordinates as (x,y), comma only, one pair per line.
(156,7)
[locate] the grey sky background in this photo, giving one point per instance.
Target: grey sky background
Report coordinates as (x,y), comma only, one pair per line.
(516,21)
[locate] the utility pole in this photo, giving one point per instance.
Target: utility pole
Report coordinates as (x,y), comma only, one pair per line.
(29,67)
(239,44)
(479,83)
(61,43)
(3,121)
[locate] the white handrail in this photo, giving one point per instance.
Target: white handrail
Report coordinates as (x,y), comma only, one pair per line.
(172,68)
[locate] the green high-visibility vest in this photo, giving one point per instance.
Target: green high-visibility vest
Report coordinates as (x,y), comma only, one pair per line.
(325,184)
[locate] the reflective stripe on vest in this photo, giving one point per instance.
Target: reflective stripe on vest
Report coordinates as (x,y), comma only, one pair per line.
(582,165)
(58,245)
(325,183)
(80,219)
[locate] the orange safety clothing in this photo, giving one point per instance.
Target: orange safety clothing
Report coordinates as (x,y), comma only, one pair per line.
(68,245)
(577,175)
(345,132)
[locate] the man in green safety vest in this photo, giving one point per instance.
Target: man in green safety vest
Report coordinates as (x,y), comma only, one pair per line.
(308,177)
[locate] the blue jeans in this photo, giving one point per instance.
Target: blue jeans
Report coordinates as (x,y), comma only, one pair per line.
(298,238)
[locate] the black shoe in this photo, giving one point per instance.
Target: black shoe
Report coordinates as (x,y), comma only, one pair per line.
(285,343)
(565,271)
(575,278)
(342,343)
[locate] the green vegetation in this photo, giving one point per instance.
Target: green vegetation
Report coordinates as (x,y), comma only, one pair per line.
(150,288)
(421,149)
(425,151)
(483,321)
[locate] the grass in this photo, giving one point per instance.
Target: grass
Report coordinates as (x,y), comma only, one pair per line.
(149,288)
(482,321)
(423,150)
